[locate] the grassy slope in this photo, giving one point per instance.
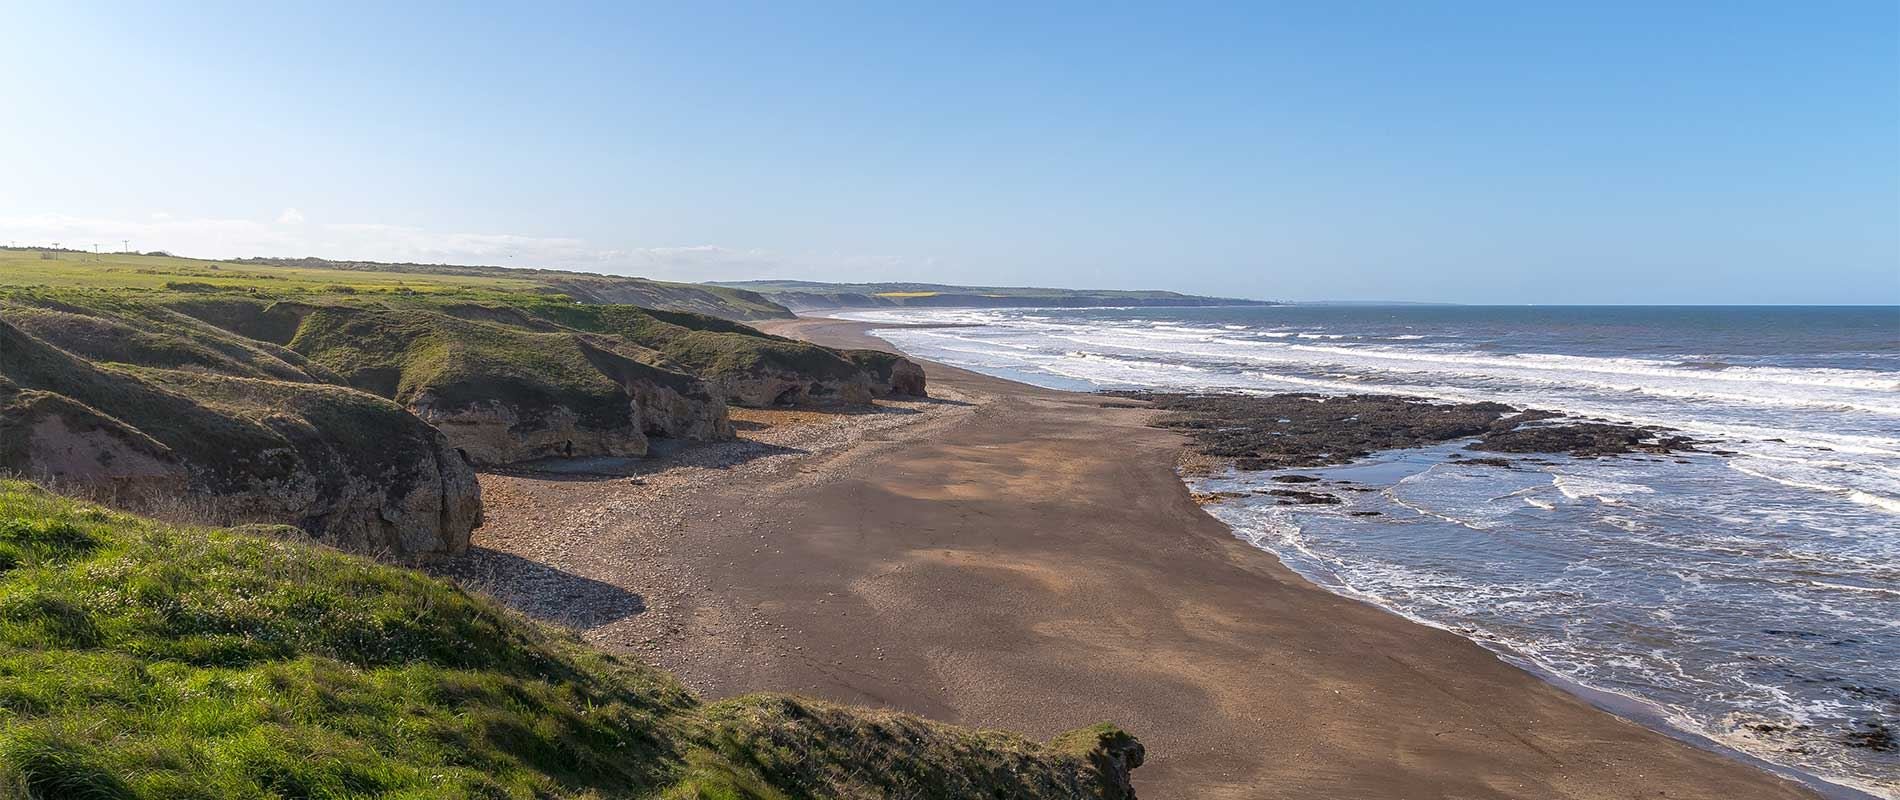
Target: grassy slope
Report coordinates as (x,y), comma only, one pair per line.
(704,345)
(232,430)
(152,661)
(399,353)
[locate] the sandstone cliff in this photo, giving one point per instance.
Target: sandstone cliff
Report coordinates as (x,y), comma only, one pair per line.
(349,469)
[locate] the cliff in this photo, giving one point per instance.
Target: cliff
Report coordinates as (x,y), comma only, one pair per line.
(356,417)
(354,470)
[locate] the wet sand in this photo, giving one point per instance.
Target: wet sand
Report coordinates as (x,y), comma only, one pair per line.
(1012,557)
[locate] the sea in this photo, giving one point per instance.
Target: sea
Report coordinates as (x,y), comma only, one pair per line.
(1748,602)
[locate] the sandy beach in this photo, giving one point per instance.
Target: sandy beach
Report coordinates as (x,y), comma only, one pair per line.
(1010,557)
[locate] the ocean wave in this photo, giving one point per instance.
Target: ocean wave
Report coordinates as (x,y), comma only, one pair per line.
(1820,377)
(1606,375)
(1859,496)
(1578,487)
(1890,505)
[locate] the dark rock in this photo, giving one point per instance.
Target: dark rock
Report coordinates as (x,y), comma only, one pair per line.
(1298,430)
(1298,497)
(1876,736)
(1262,432)
(1294,479)
(1583,439)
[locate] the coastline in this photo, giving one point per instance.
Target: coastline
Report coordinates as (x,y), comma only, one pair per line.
(1020,558)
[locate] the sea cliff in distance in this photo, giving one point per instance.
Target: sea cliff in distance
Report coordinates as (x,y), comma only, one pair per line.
(807,295)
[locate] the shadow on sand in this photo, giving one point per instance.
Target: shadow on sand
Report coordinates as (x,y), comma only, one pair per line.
(538,590)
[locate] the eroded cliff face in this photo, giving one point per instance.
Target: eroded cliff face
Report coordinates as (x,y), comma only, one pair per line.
(871,374)
(494,432)
(784,388)
(349,469)
(425,505)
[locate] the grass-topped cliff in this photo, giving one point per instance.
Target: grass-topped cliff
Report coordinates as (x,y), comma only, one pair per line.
(145,660)
(236,437)
(348,401)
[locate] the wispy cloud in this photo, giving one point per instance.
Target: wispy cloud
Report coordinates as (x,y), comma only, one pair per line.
(292,235)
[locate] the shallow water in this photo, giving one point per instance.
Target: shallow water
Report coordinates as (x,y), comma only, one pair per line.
(1752,599)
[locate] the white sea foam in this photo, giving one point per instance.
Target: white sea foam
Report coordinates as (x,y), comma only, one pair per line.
(1578,487)
(1888,504)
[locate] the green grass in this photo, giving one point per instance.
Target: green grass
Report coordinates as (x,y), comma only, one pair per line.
(144,660)
(20,267)
(309,277)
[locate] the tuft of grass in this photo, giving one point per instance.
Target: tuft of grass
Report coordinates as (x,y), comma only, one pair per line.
(812,749)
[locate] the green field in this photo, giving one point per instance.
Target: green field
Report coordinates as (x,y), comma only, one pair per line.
(19,267)
(32,268)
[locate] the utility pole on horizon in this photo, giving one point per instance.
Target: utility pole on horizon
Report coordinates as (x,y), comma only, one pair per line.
(127,244)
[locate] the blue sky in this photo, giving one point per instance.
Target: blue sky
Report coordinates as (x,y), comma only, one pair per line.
(1472,152)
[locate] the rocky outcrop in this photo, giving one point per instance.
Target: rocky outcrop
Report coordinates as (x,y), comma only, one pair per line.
(1584,439)
(1265,432)
(349,469)
(1260,432)
(893,375)
(905,380)
(786,388)
(1113,752)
